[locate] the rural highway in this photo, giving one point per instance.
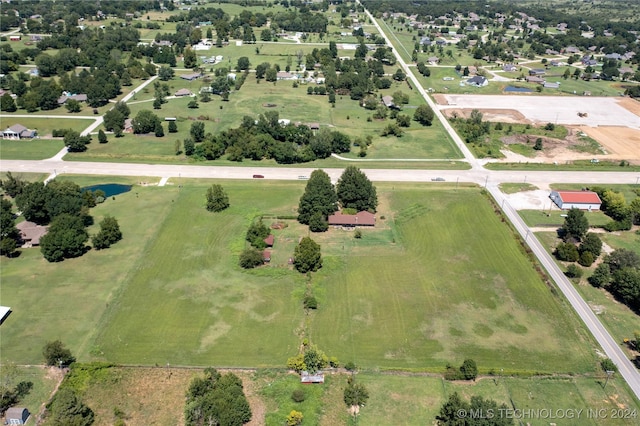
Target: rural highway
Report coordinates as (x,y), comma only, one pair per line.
(477,174)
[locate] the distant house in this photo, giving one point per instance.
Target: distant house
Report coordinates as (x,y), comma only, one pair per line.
(65,97)
(433,60)
(509,68)
(388,101)
(18,131)
(583,200)
(269,240)
(534,79)
(183,92)
(478,81)
(537,71)
(191,77)
(307,378)
(17,415)
(551,85)
(31,233)
(284,75)
(362,218)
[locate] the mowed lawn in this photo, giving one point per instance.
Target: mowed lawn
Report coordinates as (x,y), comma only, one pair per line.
(441,281)
(454,285)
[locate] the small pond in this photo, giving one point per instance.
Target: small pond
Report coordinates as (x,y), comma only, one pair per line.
(109,189)
(517,89)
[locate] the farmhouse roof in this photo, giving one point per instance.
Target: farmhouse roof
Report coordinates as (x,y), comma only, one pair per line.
(191,76)
(579,197)
(183,92)
(361,218)
(31,232)
(387,101)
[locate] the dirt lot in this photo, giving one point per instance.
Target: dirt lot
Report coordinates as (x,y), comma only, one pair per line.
(618,141)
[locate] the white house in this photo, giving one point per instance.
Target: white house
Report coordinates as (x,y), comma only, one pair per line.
(583,200)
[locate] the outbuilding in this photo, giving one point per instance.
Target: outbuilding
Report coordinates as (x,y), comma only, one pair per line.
(583,200)
(16,415)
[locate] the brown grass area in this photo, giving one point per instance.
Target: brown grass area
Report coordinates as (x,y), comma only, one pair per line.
(630,104)
(620,142)
(155,396)
(502,115)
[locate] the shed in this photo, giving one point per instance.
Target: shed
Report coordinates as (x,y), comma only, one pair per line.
(269,240)
(4,313)
(583,200)
(308,378)
(17,415)
(266,256)
(183,92)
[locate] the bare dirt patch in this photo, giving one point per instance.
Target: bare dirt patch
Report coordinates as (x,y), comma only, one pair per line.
(502,115)
(440,99)
(630,105)
(619,142)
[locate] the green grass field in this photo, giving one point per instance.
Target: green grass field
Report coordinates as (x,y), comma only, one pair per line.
(177,295)
(30,149)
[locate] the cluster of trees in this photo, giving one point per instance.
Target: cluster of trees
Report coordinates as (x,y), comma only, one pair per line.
(312,359)
(114,118)
(623,215)
(467,371)
(216,399)
(9,234)
(473,129)
(320,199)
(619,273)
(65,208)
(456,411)
(252,255)
(267,138)
(302,21)
(307,256)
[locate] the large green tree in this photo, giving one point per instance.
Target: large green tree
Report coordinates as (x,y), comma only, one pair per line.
(256,234)
(307,256)
(109,233)
(575,225)
(57,354)
(8,232)
(66,238)
(74,142)
(424,115)
(67,409)
(355,394)
(145,122)
(197,131)
(32,200)
(355,190)
(217,198)
(319,197)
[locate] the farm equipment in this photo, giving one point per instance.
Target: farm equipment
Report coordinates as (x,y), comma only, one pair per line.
(583,114)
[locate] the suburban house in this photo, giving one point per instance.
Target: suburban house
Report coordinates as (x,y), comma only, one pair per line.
(284,75)
(4,313)
(183,92)
(30,233)
(509,68)
(191,77)
(66,96)
(362,218)
(537,71)
(433,60)
(388,101)
(18,131)
(583,200)
(478,81)
(16,416)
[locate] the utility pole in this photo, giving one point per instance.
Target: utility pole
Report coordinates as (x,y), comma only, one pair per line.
(609,374)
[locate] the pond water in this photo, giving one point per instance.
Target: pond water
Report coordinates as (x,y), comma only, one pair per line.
(109,189)
(517,89)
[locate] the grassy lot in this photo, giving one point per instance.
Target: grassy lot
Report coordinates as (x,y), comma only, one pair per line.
(44,381)
(45,126)
(156,395)
(578,165)
(512,188)
(29,149)
(555,218)
(177,295)
(291,103)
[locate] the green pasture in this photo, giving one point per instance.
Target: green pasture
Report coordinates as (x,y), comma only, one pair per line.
(44,381)
(171,290)
(551,216)
(29,149)
(418,142)
(433,315)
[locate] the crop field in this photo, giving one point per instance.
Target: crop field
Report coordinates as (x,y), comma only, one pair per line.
(177,295)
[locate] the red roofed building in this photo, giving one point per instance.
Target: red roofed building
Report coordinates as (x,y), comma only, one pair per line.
(583,200)
(269,240)
(362,218)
